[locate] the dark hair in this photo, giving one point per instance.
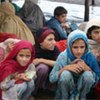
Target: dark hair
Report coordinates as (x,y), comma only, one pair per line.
(90,31)
(59,11)
(40,31)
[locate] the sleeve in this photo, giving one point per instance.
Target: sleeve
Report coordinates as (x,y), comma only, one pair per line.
(60,62)
(57,27)
(94,65)
(7,83)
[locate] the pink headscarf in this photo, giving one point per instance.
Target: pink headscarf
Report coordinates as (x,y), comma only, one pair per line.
(10,65)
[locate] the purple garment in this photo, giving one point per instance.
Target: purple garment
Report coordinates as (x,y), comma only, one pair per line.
(42,74)
(42,69)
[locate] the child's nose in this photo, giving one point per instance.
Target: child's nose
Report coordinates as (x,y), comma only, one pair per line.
(79,50)
(99,34)
(54,42)
(24,58)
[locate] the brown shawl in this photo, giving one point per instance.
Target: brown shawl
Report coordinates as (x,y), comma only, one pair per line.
(10,23)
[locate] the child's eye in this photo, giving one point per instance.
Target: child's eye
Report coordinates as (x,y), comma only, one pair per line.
(21,55)
(75,47)
(50,39)
(82,46)
(28,56)
(96,32)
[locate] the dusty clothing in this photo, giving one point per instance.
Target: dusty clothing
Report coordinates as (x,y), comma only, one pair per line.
(32,15)
(10,23)
(11,90)
(7,93)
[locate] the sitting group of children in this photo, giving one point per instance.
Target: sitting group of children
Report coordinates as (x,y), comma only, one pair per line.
(28,67)
(75,71)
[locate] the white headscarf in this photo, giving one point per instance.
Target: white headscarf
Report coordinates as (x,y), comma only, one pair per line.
(93,22)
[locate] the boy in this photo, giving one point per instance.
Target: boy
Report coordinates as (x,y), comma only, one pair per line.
(57,23)
(76,69)
(93,33)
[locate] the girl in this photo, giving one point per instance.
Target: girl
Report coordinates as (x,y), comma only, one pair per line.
(46,54)
(57,23)
(76,69)
(15,81)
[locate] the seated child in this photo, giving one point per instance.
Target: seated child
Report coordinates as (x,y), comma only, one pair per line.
(93,33)
(15,81)
(76,69)
(58,23)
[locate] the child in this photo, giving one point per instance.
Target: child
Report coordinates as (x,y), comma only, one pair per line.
(46,54)
(76,69)
(57,23)
(93,33)
(15,81)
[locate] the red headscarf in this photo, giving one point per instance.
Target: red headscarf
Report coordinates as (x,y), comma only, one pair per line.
(4,36)
(42,33)
(10,65)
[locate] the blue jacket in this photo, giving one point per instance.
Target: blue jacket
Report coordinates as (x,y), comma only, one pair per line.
(56,26)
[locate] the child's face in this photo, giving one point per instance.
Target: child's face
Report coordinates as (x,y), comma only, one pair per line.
(78,48)
(23,57)
(49,42)
(95,34)
(62,18)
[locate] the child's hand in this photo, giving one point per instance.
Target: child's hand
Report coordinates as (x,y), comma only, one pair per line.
(75,68)
(84,66)
(21,76)
(37,61)
(65,26)
(16,77)
(24,77)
